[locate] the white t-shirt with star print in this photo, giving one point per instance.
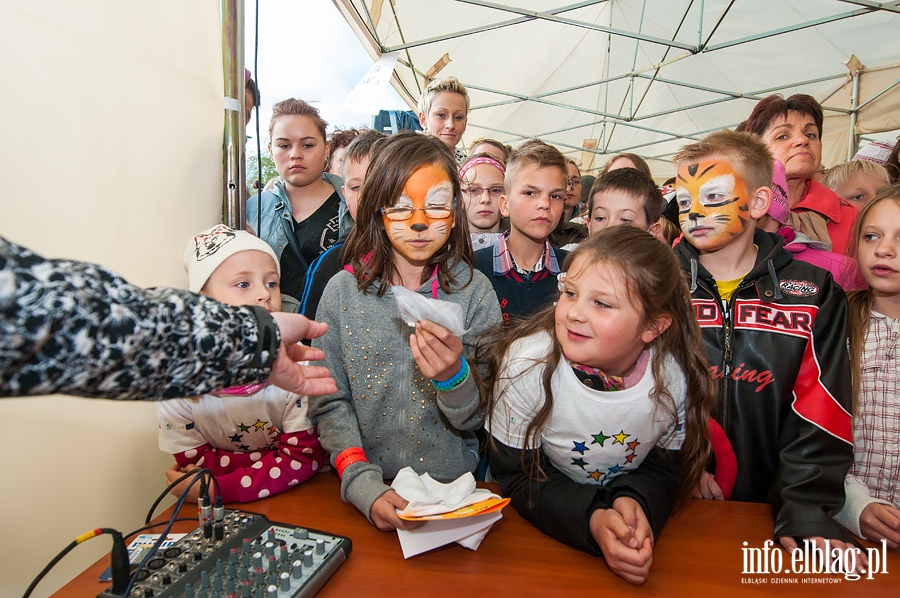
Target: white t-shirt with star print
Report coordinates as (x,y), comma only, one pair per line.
(592,436)
(236,423)
(256,446)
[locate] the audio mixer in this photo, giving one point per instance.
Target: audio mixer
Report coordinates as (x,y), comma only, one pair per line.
(243,555)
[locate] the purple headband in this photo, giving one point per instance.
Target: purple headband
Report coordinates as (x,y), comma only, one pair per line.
(481,160)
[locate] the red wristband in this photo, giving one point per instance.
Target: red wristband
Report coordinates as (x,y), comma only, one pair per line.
(348,456)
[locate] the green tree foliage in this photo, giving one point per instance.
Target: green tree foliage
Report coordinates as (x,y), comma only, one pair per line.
(268,169)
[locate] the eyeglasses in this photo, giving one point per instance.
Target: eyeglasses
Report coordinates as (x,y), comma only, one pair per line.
(477,192)
(433,212)
(573,182)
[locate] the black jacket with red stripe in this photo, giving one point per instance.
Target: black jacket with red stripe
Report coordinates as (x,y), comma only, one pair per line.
(778,353)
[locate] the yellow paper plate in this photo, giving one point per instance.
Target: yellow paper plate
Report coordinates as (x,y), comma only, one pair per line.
(480,508)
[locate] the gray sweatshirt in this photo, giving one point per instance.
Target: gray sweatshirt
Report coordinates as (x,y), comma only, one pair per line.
(384,404)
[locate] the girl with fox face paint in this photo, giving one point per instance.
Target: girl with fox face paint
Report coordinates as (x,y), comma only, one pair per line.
(407,396)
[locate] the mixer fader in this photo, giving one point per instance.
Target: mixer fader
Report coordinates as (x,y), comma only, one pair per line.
(254,558)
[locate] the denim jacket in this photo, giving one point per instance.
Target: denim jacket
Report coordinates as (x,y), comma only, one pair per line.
(276,227)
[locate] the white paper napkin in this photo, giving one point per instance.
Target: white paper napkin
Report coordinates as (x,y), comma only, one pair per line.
(415,307)
(427,496)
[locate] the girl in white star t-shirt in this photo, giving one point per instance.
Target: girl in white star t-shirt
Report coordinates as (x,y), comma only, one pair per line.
(599,408)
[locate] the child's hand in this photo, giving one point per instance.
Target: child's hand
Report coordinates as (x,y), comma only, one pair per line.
(175,472)
(436,350)
(879,521)
(634,518)
(625,556)
(708,488)
(384,512)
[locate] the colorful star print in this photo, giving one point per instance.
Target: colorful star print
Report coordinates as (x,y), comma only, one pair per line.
(615,468)
(244,428)
(237,438)
(596,474)
(579,447)
(632,446)
(600,438)
(629,458)
(579,462)
(260,425)
(620,438)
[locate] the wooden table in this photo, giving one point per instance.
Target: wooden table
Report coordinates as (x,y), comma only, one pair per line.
(698,554)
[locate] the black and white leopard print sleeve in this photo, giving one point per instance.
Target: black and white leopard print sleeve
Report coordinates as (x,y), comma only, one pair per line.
(75,328)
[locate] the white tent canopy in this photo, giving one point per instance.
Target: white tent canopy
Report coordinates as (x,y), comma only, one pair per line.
(607,76)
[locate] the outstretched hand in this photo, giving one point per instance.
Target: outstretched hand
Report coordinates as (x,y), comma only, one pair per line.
(290,375)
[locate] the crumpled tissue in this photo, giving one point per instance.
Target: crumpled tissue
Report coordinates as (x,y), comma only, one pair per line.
(415,307)
(427,496)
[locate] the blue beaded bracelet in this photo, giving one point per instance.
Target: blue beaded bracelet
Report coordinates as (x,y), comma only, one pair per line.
(457,378)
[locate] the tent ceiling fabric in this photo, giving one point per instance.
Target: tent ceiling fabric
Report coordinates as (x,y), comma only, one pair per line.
(645,77)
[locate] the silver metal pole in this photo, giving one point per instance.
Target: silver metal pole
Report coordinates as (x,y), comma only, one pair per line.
(235,133)
(852,137)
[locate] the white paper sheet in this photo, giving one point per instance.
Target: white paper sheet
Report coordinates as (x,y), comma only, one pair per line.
(433,534)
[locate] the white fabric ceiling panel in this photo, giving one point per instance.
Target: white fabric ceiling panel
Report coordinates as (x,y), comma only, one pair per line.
(630,75)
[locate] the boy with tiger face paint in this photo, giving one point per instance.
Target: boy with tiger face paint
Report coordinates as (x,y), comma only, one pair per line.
(716,206)
(773,331)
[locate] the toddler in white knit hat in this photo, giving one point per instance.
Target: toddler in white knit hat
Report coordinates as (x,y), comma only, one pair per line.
(234,267)
(256,439)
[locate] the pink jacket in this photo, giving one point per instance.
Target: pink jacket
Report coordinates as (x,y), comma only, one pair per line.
(843,269)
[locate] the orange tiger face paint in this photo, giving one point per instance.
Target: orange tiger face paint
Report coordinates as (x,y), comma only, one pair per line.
(713,203)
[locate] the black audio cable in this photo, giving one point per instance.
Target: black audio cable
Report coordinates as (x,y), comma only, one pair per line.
(169,488)
(198,474)
(119,565)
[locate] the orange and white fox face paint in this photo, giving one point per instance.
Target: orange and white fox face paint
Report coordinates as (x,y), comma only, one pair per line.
(419,222)
(713,203)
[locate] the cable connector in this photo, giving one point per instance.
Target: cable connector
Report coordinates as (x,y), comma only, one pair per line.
(120,566)
(219,519)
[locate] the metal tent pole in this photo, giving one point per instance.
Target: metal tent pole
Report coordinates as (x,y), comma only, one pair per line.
(852,137)
(235,133)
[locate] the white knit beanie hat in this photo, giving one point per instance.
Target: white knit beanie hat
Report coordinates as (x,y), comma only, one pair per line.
(207,250)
